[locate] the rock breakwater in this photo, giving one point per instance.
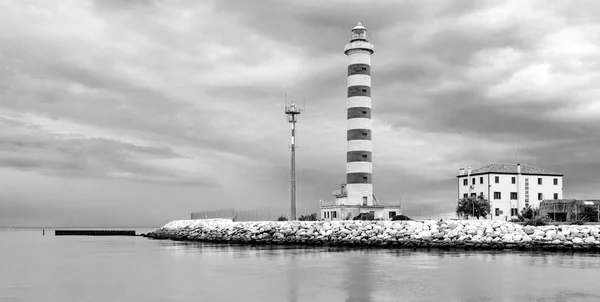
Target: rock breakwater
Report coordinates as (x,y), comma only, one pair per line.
(470,234)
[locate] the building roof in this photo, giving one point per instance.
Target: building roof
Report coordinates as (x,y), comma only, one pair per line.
(512,169)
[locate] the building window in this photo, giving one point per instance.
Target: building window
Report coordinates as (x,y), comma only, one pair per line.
(392,214)
(540,196)
(481,194)
(539,180)
(513,195)
(514,212)
(481,180)
(466,195)
(334,214)
(497,195)
(465,182)
(513,180)
(556,181)
(497,179)
(473,180)
(473,194)
(497,212)
(555,195)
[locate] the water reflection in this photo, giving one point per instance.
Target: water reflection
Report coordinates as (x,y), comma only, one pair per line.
(317,273)
(292,278)
(359,278)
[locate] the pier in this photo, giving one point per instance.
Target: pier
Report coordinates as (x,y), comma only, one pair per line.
(94,233)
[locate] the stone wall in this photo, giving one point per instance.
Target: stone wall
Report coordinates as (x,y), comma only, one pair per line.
(476,234)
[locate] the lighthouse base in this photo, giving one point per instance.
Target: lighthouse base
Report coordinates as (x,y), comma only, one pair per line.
(350,212)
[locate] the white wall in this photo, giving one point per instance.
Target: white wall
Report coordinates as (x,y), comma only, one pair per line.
(505,187)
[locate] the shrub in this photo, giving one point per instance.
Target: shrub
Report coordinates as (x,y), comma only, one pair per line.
(538,221)
(401,217)
(580,221)
(282,218)
(364,216)
(308,217)
(529,213)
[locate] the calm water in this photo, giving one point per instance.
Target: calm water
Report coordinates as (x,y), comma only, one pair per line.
(48,268)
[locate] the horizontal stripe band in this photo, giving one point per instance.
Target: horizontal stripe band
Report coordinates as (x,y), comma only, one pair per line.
(359,90)
(358,156)
(359,80)
(359,167)
(359,178)
(360,145)
(359,123)
(359,69)
(359,112)
(359,58)
(360,187)
(359,101)
(358,134)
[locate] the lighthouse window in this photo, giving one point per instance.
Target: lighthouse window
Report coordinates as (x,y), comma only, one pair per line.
(364,112)
(364,156)
(364,178)
(364,90)
(364,134)
(364,68)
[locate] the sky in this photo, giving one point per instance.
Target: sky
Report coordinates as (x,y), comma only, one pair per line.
(136,113)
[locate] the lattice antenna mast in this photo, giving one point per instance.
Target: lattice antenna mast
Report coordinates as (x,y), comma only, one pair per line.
(293,111)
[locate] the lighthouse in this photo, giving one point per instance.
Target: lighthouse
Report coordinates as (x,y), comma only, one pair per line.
(355,199)
(359,167)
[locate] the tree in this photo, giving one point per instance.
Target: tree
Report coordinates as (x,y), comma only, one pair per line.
(282,218)
(473,206)
(529,213)
(308,217)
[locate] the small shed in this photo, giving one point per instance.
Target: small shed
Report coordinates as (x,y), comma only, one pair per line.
(564,210)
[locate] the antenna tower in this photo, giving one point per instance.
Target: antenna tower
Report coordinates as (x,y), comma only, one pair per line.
(292,111)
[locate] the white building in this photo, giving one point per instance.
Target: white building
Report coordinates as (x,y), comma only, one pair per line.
(342,209)
(510,187)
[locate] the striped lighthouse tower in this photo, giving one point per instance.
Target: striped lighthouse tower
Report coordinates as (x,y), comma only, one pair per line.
(359,169)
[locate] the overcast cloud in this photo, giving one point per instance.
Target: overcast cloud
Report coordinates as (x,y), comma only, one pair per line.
(134,113)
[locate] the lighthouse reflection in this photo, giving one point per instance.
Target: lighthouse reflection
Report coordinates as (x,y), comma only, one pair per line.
(358,286)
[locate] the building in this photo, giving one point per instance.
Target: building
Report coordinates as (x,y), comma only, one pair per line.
(510,187)
(563,210)
(356,195)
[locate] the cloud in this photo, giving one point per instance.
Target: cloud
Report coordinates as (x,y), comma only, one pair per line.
(190,95)
(39,147)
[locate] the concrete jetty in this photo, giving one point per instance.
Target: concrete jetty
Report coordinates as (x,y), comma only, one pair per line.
(467,234)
